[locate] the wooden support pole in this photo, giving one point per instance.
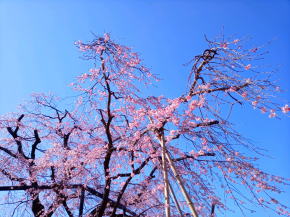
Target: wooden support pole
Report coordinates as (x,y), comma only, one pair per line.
(165,176)
(175,200)
(181,185)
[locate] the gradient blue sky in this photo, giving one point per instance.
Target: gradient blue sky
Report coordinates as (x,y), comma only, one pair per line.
(37,52)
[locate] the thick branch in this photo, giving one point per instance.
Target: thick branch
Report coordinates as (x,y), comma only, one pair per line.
(36,142)
(13,133)
(106,164)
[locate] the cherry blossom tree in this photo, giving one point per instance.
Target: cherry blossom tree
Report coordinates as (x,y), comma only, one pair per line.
(112,151)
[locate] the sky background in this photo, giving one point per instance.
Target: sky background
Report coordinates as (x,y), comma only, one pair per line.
(37,52)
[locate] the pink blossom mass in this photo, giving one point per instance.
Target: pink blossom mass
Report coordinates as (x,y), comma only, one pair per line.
(115,151)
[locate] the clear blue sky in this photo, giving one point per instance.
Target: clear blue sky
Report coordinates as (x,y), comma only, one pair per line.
(37,52)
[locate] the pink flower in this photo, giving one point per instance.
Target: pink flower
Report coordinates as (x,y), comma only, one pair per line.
(100,48)
(254,50)
(244,94)
(272,113)
(106,37)
(204,141)
(200,152)
(232,89)
(261,200)
(274,200)
(188,98)
(79,42)
(236,41)
(194,154)
(248,81)
(254,103)
(247,67)
(224,45)
(263,110)
(285,109)
(193,104)
(204,86)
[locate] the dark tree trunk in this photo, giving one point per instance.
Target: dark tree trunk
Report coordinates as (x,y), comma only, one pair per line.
(37,207)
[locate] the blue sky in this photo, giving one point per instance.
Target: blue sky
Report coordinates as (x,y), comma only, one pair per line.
(37,52)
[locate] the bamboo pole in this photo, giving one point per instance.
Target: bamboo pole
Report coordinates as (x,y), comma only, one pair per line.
(165,176)
(175,200)
(181,185)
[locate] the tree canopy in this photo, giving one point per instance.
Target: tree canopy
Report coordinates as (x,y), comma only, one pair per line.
(111,151)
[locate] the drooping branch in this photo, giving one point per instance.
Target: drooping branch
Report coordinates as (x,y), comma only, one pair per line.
(192,157)
(11,177)
(7,151)
(121,193)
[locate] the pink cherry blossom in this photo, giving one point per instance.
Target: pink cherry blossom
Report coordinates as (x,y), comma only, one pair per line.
(224,45)
(272,113)
(263,110)
(106,37)
(110,145)
(255,103)
(254,50)
(247,67)
(236,41)
(244,94)
(285,109)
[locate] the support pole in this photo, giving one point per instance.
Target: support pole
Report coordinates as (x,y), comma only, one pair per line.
(181,185)
(165,176)
(175,200)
